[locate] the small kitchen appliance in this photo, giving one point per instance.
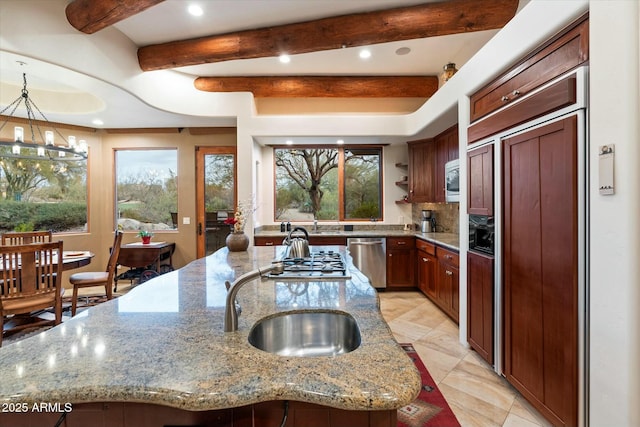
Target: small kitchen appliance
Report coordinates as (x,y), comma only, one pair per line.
(298,246)
(428,223)
(452,181)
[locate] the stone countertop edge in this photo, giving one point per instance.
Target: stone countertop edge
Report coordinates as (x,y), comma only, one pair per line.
(448,240)
(163,343)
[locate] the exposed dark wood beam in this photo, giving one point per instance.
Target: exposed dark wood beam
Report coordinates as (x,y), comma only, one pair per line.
(90,16)
(406,23)
(327,87)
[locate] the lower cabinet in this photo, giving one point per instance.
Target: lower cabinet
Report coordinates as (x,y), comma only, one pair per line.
(401,262)
(448,282)
(480,299)
(427,262)
(439,276)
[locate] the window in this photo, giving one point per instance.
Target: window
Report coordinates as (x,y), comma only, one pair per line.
(146,189)
(42,193)
(308,183)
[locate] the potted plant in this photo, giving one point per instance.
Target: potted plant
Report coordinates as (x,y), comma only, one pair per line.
(146,236)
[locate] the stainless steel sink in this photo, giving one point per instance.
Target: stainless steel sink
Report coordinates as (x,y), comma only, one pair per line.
(306,334)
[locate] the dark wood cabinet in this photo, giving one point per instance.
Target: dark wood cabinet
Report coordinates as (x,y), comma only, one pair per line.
(480,181)
(427,263)
(427,158)
(313,240)
(540,268)
(480,297)
(401,262)
(421,171)
(560,55)
(267,240)
(446,150)
(448,282)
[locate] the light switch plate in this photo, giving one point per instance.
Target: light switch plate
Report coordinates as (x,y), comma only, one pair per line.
(186,220)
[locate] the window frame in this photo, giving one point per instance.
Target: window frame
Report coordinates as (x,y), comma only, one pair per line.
(341,177)
(115,182)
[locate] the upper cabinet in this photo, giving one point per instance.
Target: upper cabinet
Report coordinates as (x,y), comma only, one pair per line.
(550,61)
(480,181)
(421,171)
(446,150)
(427,158)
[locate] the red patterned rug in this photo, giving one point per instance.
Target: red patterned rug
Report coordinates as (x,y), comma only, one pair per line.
(430,408)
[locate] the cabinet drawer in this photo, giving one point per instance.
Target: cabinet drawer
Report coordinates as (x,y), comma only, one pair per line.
(267,241)
(560,55)
(401,242)
(327,240)
(448,257)
(429,248)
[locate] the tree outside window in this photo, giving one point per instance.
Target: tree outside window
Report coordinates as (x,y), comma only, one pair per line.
(308,185)
(146,189)
(46,193)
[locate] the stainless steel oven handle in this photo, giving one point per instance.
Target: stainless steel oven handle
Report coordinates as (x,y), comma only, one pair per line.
(379,242)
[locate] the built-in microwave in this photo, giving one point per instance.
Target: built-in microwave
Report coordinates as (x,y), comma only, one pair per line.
(452,181)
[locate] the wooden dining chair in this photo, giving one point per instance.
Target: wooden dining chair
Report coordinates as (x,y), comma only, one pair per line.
(30,277)
(87,279)
(26,237)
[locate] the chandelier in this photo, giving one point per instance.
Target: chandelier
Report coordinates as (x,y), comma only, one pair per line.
(41,144)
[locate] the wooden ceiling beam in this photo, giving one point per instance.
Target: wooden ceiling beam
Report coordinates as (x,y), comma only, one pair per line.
(406,23)
(90,16)
(323,86)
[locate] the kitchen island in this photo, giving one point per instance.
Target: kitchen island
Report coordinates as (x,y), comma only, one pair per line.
(162,346)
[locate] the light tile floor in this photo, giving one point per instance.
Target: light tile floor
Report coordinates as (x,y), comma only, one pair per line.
(477,395)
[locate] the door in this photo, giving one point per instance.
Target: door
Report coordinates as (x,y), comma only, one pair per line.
(480,304)
(215,196)
(540,268)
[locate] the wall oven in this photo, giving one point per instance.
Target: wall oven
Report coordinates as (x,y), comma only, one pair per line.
(452,181)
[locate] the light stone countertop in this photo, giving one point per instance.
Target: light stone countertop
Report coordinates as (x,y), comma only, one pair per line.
(448,240)
(163,343)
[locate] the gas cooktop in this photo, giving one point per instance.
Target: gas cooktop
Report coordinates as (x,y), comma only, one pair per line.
(320,265)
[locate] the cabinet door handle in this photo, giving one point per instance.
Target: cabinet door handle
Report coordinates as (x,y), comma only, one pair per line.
(390,255)
(425,259)
(402,243)
(505,98)
(448,273)
(269,244)
(516,92)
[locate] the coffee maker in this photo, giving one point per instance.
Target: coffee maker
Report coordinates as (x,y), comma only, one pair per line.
(428,224)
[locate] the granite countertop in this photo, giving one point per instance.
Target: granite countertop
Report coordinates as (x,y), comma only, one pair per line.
(449,240)
(163,343)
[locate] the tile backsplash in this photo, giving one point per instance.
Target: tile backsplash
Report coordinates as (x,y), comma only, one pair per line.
(447,215)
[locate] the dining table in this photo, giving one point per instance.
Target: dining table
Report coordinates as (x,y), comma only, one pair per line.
(76,259)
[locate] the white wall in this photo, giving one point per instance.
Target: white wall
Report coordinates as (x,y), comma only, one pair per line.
(615,225)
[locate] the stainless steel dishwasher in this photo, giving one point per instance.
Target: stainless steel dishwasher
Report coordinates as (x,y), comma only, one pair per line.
(369,256)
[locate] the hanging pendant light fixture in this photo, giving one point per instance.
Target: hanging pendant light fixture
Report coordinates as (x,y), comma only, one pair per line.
(40,144)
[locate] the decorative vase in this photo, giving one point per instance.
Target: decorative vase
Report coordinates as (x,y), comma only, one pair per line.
(237,241)
(146,240)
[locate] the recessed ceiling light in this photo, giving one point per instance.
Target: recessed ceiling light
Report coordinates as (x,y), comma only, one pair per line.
(403,51)
(285,59)
(340,142)
(195,10)
(365,53)
(97,122)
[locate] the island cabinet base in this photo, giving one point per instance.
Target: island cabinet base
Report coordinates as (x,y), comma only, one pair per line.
(119,414)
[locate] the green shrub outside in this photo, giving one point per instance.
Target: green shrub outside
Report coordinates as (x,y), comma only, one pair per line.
(27,216)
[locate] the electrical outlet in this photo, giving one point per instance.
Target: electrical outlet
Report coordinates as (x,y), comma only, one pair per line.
(186,220)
